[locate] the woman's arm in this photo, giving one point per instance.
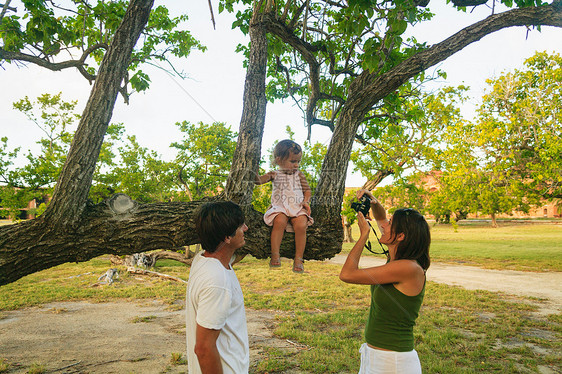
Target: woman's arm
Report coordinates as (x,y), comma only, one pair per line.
(267,177)
(392,272)
(351,265)
(397,271)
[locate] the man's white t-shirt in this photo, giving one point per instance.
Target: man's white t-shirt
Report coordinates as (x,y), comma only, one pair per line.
(214,300)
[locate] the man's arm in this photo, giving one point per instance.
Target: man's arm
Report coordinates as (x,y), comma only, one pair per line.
(206,350)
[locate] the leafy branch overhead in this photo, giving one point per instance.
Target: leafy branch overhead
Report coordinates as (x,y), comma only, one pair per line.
(318,49)
(77,35)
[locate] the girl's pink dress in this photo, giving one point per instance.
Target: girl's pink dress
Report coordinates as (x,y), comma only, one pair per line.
(287,197)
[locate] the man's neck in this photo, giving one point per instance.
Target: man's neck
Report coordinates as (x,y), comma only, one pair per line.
(223,254)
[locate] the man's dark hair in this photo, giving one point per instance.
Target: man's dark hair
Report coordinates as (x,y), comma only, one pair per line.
(417,238)
(217,220)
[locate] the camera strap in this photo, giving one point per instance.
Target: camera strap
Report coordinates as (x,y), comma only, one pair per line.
(368,244)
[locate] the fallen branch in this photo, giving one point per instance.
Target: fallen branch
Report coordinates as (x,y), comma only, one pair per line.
(153,273)
(67,366)
(147,260)
(300,346)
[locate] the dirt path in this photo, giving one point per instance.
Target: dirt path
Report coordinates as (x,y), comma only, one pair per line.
(547,286)
(131,337)
(115,337)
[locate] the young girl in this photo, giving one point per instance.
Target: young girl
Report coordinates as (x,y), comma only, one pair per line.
(290,198)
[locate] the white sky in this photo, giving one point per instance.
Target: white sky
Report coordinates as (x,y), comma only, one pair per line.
(214,89)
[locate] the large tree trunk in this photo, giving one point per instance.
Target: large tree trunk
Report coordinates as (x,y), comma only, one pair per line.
(71,191)
(494,221)
(246,160)
(62,233)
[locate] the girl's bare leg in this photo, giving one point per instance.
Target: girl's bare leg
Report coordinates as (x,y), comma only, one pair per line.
(279,224)
(300,224)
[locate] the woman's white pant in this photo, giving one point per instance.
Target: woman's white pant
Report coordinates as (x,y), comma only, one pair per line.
(377,361)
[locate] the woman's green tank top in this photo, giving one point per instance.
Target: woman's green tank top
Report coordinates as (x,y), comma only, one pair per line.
(392,318)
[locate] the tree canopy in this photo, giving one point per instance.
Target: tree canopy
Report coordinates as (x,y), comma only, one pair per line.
(77,35)
(508,158)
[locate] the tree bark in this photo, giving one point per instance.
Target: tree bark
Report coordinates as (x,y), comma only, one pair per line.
(246,160)
(71,192)
(25,248)
(378,177)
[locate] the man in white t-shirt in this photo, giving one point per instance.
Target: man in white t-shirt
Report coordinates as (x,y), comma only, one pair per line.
(217,335)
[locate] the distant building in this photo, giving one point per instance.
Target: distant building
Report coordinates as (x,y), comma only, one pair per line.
(29,211)
(550,209)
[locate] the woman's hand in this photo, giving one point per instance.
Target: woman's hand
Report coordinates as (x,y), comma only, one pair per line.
(363,225)
(362,192)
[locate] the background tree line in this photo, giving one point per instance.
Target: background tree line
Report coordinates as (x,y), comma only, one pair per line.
(508,158)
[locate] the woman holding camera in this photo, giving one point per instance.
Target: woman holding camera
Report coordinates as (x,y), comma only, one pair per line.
(397,288)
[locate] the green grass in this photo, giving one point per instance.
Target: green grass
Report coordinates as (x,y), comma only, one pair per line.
(146,319)
(36,368)
(73,282)
(178,359)
(458,331)
(4,366)
(514,246)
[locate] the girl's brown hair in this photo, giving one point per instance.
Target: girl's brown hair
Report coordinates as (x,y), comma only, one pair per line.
(285,147)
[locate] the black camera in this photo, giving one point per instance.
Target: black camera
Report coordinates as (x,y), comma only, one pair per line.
(363,205)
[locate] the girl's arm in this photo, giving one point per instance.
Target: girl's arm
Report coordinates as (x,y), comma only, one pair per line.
(306,191)
(392,272)
(267,177)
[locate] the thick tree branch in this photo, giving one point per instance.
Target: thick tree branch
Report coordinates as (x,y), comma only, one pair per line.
(120,226)
(284,32)
(245,164)
(368,89)
(54,66)
(380,86)
(5,7)
(71,192)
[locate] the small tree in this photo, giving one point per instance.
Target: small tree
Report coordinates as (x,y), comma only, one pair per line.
(203,159)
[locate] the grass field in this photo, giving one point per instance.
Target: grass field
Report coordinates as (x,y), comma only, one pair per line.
(514,246)
(458,331)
